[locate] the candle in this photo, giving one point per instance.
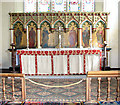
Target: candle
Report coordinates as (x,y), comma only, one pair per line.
(60,37)
(91,35)
(59,41)
(27,38)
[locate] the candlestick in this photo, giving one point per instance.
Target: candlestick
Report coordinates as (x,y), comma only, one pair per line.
(105,47)
(105,52)
(105,42)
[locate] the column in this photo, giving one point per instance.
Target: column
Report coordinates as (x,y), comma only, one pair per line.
(80,35)
(108,58)
(91,36)
(12,30)
(39,39)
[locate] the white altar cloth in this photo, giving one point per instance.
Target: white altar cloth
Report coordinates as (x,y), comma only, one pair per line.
(59,61)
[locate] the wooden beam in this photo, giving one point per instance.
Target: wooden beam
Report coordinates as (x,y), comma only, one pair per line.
(103,74)
(11,75)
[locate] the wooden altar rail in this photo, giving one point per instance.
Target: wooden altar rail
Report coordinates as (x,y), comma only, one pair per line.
(99,75)
(22,77)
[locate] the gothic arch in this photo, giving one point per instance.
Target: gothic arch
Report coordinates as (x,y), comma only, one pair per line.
(101,22)
(87,22)
(17,23)
(58,22)
(31,22)
(71,22)
(44,22)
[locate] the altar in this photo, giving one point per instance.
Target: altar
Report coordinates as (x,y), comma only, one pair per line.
(59,61)
(59,43)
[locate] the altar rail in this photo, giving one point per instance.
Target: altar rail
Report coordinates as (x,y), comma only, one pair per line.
(99,75)
(23,92)
(90,74)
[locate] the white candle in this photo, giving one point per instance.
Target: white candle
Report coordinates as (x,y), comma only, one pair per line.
(59,36)
(59,41)
(90,31)
(91,36)
(27,38)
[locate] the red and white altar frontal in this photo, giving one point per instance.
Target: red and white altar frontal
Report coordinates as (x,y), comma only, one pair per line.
(59,62)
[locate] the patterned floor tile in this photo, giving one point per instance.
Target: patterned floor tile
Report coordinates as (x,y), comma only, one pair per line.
(74,93)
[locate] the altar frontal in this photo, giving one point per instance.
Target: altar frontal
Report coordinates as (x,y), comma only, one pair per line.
(55,62)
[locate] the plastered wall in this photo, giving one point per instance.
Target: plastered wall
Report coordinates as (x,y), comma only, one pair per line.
(112,7)
(6,8)
(119,33)
(0,35)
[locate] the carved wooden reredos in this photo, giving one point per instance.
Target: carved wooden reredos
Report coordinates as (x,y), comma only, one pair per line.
(45,29)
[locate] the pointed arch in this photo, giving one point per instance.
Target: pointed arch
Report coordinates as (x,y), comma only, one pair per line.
(100,21)
(45,22)
(71,22)
(62,23)
(18,20)
(32,21)
(86,21)
(14,25)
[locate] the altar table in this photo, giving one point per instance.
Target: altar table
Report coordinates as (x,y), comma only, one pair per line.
(59,62)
